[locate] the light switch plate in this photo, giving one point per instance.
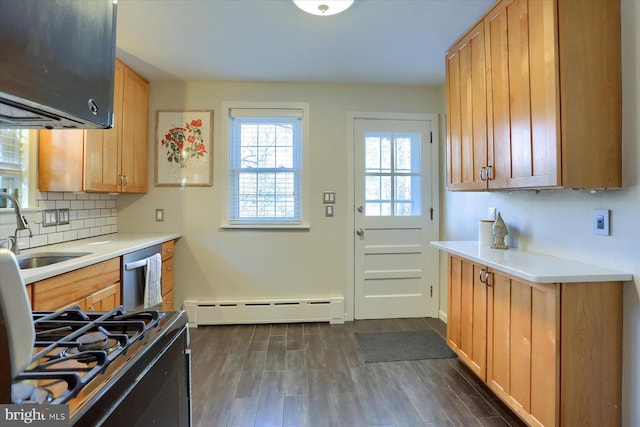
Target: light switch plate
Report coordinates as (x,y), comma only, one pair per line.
(328,210)
(601,222)
(159,215)
(329,197)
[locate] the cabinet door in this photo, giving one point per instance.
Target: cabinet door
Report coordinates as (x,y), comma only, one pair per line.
(467,315)
(60,160)
(104,300)
(467,112)
(523,356)
(135,110)
(522,93)
(102,147)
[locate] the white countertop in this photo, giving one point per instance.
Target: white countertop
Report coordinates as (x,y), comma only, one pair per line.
(101,248)
(532,266)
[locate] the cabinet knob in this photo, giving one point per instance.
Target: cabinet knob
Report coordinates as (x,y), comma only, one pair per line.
(91,308)
(168,268)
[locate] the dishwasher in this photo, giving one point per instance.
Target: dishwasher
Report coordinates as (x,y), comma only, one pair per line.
(133,272)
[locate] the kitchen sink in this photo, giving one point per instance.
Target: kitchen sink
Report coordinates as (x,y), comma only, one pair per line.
(42,259)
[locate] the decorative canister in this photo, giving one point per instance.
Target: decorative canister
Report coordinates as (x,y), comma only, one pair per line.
(485,233)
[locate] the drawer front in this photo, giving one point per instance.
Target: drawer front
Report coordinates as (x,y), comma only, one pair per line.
(167,276)
(167,250)
(167,301)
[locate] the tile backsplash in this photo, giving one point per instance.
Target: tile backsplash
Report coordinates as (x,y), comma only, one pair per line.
(90,214)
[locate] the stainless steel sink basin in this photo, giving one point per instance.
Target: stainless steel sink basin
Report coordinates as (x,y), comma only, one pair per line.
(42,259)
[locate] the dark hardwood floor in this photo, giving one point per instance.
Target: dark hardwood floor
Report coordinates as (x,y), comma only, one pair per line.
(313,374)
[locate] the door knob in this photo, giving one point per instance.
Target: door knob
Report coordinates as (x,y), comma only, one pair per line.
(360,232)
(360,209)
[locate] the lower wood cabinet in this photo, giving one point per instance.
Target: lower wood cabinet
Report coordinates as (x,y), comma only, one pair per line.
(551,352)
(167,277)
(93,288)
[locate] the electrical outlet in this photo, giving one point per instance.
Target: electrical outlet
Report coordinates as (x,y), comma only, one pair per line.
(601,222)
(492,214)
(159,215)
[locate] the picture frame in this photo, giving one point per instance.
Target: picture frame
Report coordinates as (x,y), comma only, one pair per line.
(184,148)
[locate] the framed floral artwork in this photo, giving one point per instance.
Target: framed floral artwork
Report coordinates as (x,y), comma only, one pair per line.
(184,148)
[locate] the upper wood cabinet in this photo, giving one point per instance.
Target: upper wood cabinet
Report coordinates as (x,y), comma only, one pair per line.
(541,107)
(467,112)
(116,159)
(112,160)
(60,160)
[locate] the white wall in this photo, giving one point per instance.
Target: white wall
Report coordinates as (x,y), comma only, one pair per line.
(244,264)
(560,222)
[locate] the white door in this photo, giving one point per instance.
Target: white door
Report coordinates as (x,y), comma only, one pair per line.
(392,195)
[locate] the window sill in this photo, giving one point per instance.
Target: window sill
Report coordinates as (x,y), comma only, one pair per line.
(301,227)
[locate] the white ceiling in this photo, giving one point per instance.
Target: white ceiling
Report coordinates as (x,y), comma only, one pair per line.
(375,41)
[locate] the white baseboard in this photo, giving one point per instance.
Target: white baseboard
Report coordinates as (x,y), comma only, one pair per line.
(210,312)
(442,316)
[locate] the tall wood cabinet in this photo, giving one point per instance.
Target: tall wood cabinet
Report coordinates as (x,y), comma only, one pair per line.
(551,352)
(113,160)
(551,77)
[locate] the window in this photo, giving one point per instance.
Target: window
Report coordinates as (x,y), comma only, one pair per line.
(266,167)
(392,174)
(14,164)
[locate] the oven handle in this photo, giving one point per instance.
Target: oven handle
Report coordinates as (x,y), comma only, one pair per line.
(135,264)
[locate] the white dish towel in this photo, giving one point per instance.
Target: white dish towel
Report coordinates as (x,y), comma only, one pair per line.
(152,285)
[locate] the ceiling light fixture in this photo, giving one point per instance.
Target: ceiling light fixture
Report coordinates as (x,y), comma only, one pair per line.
(323,7)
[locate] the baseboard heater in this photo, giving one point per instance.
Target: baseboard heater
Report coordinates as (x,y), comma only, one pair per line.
(207,312)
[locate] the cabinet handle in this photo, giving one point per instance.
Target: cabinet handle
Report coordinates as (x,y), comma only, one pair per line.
(126,180)
(482,173)
(486,278)
(168,268)
(169,251)
(91,308)
(489,174)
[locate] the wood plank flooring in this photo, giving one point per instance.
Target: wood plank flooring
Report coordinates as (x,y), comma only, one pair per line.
(313,374)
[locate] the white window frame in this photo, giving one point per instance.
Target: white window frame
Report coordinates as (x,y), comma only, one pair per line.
(28,160)
(267,109)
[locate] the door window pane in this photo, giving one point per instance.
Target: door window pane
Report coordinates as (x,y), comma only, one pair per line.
(392,174)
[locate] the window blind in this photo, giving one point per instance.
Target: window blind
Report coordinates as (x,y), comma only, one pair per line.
(265,166)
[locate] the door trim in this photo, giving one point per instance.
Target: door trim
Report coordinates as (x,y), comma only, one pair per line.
(433,262)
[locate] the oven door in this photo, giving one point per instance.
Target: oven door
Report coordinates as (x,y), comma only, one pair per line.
(159,393)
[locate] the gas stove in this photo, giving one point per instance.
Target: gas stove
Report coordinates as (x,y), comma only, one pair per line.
(109,367)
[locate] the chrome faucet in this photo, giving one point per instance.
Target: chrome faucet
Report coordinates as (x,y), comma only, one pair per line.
(21,222)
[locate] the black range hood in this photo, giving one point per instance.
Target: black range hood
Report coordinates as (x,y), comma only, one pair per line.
(57,60)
